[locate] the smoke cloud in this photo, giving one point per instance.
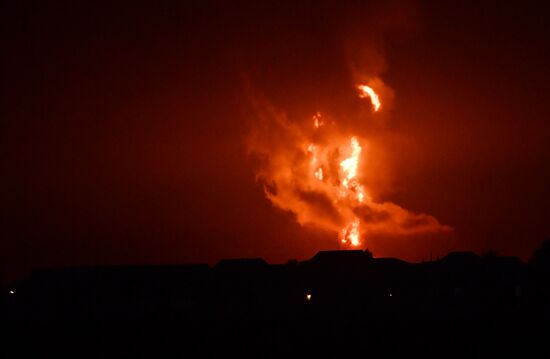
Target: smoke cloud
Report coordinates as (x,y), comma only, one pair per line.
(282,150)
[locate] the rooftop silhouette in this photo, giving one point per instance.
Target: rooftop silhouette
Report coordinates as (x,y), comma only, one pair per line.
(332,284)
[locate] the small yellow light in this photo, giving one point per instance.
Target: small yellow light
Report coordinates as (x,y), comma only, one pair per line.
(308,297)
(12,292)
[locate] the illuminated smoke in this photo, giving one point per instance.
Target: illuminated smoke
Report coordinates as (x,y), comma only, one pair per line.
(315,172)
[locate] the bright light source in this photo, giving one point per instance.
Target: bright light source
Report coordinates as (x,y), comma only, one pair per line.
(12,292)
(391,295)
(308,297)
(366,91)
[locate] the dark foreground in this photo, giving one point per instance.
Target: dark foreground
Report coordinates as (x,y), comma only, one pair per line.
(340,284)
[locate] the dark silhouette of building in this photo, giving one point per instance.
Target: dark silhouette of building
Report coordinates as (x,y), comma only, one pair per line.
(332,284)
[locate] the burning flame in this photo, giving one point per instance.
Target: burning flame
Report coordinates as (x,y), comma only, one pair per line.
(319,174)
(345,183)
(349,165)
(316,174)
(350,187)
(350,234)
(317,121)
(366,91)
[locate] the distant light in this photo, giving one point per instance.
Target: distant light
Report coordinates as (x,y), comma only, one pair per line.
(12,292)
(391,295)
(308,297)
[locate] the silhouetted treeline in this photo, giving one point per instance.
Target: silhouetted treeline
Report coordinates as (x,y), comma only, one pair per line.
(338,284)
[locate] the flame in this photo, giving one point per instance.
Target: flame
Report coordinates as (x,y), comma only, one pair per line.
(317,173)
(349,165)
(317,121)
(366,91)
(349,235)
(349,187)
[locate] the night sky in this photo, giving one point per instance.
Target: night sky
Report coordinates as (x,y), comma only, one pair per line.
(123,126)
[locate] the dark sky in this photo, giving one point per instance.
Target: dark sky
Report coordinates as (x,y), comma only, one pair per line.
(122,126)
